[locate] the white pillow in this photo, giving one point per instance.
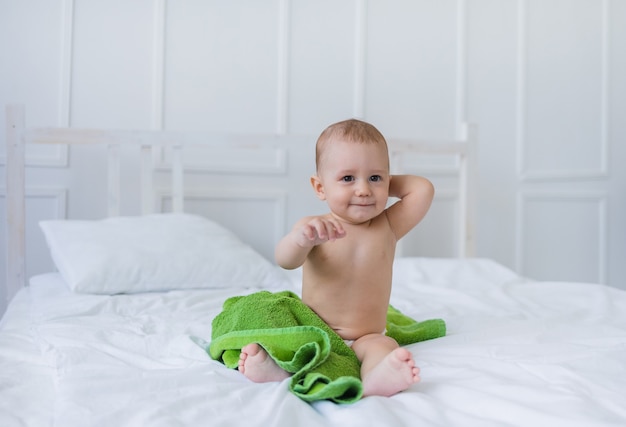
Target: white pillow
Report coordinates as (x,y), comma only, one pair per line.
(154,253)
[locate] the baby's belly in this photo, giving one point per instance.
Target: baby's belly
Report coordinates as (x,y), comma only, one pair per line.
(351,310)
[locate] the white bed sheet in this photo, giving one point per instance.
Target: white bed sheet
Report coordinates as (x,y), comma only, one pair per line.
(26,380)
(517,353)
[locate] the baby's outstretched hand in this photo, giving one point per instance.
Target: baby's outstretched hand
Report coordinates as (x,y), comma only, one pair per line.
(321,229)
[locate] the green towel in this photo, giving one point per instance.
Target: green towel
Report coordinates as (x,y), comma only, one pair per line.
(323,366)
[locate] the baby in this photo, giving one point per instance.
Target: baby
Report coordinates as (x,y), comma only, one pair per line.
(347,254)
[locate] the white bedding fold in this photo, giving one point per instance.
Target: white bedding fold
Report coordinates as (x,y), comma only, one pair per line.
(26,381)
(517,353)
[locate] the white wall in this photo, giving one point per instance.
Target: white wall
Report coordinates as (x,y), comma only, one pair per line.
(543,79)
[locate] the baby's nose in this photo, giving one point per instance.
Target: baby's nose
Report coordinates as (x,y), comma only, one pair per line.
(363,189)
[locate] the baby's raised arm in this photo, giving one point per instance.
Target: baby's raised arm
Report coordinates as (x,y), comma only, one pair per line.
(416,194)
(292,250)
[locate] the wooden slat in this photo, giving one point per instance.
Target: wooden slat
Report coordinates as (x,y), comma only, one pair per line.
(114,188)
(147,181)
(442,147)
(471,174)
(463,207)
(177,179)
(15,202)
(73,136)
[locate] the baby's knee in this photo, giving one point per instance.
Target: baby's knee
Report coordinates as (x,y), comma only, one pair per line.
(374,341)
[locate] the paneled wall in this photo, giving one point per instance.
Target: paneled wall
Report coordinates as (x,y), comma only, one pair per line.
(543,79)
(562,136)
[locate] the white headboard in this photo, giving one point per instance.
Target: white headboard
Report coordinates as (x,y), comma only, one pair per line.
(159,150)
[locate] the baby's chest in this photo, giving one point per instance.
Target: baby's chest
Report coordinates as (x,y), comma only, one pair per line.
(368,246)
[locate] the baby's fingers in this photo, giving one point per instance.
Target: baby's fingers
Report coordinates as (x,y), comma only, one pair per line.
(332,229)
(315,232)
(335,231)
(310,232)
(323,229)
(338,231)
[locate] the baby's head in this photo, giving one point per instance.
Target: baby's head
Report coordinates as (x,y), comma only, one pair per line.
(351,130)
(352,171)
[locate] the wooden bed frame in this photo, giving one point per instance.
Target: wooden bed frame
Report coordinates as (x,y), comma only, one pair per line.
(18,135)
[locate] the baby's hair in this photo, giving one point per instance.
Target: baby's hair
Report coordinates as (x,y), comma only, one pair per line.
(351,130)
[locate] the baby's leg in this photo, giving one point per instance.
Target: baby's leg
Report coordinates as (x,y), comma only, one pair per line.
(386,368)
(258,366)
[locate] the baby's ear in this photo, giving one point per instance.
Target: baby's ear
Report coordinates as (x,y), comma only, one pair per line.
(316,183)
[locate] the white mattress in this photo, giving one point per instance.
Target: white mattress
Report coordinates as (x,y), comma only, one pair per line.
(517,353)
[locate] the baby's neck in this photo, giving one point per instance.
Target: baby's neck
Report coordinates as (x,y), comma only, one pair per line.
(349,223)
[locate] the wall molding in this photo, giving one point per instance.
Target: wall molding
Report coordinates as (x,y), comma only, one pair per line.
(158,64)
(58,158)
(599,198)
(67,61)
(230,161)
(57,194)
(277,197)
(441,195)
(398,165)
(450,195)
(523,171)
(360,59)
(461,66)
(282,82)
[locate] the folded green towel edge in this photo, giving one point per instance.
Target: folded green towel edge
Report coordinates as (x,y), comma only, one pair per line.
(323,366)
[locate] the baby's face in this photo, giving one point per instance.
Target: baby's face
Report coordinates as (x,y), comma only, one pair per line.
(355,180)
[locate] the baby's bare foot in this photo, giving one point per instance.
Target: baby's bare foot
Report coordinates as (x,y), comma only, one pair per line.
(258,366)
(395,373)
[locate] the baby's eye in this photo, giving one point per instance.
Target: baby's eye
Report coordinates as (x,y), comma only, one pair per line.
(347,178)
(376,178)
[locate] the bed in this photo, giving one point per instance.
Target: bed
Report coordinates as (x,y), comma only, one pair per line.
(105,339)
